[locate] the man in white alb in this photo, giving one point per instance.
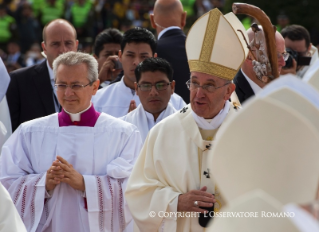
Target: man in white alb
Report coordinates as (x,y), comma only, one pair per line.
(68,171)
(154,86)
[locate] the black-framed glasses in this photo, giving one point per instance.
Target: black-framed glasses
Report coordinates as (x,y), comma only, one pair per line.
(208,88)
(74,87)
(158,86)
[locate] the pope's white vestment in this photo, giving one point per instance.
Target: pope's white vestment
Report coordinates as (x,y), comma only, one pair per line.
(9,217)
(115,99)
(173,161)
(103,154)
(144,121)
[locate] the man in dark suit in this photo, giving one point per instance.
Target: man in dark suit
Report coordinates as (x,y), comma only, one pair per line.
(246,81)
(31,91)
(169,19)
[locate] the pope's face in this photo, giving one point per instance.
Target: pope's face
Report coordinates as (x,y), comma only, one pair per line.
(75,101)
(155,101)
(206,104)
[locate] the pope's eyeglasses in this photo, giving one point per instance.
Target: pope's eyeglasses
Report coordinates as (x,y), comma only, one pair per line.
(208,88)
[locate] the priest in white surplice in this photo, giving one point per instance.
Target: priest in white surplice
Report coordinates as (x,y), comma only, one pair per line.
(155,104)
(68,171)
(120,98)
(171,174)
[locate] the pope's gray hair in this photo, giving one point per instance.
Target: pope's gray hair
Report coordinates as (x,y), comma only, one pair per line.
(76,58)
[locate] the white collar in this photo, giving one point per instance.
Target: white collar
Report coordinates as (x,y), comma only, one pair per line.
(215,122)
(252,84)
(150,117)
(125,88)
(77,116)
(51,74)
(165,30)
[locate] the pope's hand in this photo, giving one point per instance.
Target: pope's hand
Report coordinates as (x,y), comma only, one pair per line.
(54,177)
(204,199)
(71,176)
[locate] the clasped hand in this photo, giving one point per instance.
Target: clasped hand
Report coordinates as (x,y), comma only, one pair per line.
(62,171)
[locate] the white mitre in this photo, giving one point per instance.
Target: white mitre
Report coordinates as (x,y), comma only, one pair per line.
(273,147)
(215,46)
(252,212)
(293,92)
(312,75)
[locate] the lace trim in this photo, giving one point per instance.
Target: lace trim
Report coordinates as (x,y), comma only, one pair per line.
(19,189)
(33,202)
(121,213)
(24,195)
(111,191)
(101,201)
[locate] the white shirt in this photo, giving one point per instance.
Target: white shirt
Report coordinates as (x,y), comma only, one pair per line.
(115,99)
(252,84)
(165,30)
(55,100)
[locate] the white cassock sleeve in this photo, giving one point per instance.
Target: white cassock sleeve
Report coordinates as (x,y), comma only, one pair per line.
(27,189)
(10,220)
(107,208)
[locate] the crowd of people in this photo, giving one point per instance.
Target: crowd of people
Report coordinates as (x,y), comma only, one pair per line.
(150,121)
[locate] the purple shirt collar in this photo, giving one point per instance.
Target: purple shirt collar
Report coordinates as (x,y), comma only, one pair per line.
(88,118)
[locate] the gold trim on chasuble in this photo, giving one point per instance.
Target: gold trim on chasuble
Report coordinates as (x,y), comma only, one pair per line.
(203,64)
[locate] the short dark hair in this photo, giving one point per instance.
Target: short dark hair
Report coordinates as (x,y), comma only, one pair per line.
(107,36)
(296,32)
(152,65)
(139,35)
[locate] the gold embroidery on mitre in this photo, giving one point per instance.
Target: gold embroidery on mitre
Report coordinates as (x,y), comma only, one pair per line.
(212,69)
(209,39)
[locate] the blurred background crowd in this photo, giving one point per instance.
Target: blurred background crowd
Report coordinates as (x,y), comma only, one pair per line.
(22,21)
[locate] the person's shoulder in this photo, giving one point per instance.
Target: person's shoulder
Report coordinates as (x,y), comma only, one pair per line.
(50,121)
(106,90)
(110,123)
(168,123)
(26,71)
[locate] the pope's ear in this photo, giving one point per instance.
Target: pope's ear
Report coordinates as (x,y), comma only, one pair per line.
(230,89)
(155,55)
